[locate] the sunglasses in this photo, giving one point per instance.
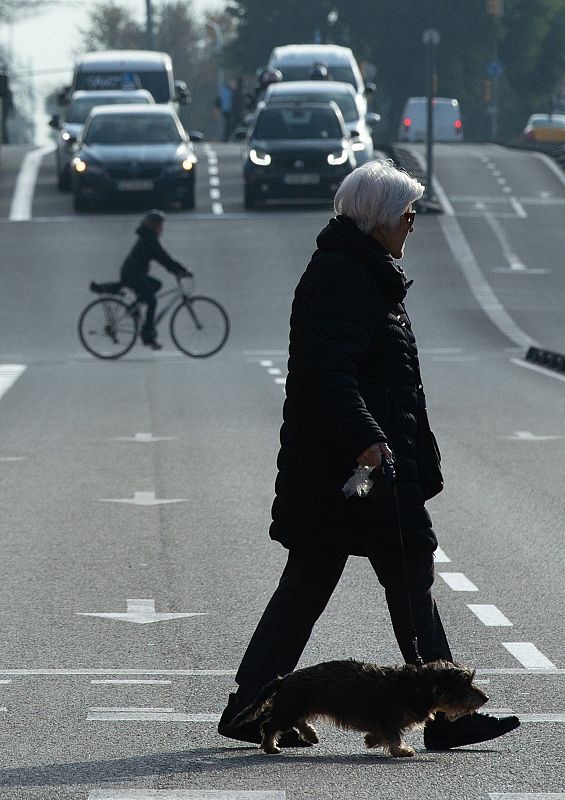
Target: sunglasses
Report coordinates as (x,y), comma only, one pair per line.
(409,216)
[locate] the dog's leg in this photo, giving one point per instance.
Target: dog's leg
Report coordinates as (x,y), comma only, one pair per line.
(398,748)
(375,738)
(307,732)
(270,732)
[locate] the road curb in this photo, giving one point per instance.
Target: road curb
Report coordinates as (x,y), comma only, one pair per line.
(546,358)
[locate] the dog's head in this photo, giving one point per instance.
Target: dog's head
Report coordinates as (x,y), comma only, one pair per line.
(453,689)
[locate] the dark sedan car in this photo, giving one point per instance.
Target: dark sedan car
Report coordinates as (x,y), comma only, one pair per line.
(296,152)
(134,152)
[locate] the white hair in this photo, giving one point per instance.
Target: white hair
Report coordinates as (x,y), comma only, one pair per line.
(376,194)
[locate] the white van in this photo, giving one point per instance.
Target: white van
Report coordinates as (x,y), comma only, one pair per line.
(446,115)
(295,61)
(129,69)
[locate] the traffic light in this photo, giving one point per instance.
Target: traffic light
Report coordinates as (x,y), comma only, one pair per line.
(487,90)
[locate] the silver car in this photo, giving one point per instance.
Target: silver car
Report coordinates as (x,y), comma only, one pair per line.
(358,122)
(70,127)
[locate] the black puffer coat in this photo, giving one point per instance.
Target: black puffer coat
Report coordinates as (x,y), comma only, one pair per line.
(353,379)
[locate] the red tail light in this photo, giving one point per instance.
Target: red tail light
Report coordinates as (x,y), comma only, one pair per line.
(458,124)
(407,122)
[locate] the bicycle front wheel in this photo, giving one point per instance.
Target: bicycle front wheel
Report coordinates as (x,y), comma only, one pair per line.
(199,327)
(107,328)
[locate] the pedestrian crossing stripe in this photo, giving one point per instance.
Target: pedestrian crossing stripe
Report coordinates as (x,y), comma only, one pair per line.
(184,794)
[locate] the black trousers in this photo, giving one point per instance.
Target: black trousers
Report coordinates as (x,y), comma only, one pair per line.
(305,587)
(146,289)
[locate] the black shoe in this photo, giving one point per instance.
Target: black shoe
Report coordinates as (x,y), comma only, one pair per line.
(440,734)
(152,343)
(250,731)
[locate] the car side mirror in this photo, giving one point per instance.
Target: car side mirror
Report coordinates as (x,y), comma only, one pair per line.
(353,134)
(370,88)
(72,140)
(196,136)
(55,122)
(372,119)
(239,134)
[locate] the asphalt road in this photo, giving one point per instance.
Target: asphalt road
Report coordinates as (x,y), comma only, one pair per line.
(101,708)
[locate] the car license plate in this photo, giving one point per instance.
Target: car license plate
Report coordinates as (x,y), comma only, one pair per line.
(135,186)
(301,180)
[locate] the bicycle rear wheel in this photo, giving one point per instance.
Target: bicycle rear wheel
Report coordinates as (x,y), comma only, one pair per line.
(199,327)
(107,328)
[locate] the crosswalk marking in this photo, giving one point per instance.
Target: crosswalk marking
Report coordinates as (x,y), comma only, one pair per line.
(528,655)
(9,374)
(133,714)
(489,615)
(458,582)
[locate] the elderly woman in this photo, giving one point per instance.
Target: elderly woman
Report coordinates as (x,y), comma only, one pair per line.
(353,397)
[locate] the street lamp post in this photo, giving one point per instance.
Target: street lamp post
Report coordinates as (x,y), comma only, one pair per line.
(149,25)
(431,39)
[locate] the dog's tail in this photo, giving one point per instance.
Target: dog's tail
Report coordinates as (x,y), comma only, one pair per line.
(253,710)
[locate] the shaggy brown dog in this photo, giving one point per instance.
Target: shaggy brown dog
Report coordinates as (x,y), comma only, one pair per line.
(382,701)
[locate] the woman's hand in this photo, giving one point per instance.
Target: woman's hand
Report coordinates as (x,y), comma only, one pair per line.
(373,455)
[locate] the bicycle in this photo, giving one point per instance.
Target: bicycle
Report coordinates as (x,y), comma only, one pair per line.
(108,327)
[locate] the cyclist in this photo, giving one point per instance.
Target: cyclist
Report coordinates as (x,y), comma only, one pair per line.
(135,270)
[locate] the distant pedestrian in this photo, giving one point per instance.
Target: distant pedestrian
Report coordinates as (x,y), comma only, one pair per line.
(225,99)
(354,397)
(238,103)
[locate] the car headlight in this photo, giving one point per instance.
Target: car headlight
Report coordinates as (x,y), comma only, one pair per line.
(65,136)
(188,164)
(339,157)
(81,167)
(259,157)
(357,146)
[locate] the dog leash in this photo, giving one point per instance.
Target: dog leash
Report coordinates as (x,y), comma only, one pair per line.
(419,660)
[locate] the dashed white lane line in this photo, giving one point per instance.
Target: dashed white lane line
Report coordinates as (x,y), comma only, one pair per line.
(22,199)
(458,582)
(214,181)
(489,615)
(440,557)
(528,655)
(9,374)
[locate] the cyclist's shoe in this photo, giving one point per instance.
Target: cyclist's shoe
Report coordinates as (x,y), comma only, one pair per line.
(153,344)
(440,734)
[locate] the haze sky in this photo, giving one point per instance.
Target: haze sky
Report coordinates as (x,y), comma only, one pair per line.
(49,39)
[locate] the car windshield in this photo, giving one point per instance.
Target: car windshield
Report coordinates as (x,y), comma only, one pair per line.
(156,82)
(345,102)
(79,110)
(301,72)
(555,121)
(132,129)
(299,123)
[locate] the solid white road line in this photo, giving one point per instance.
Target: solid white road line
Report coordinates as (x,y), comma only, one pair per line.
(9,374)
(527,795)
(132,714)
(189,673)
(489,615)
(127,681)
(550,373)
(458,582)
(22,199)
(528,655)
(556,718)
(513,260)
(184,794)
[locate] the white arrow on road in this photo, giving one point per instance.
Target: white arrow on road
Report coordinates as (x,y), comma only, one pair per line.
(528,436)
(141,499)
(143,437)
(142,612)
